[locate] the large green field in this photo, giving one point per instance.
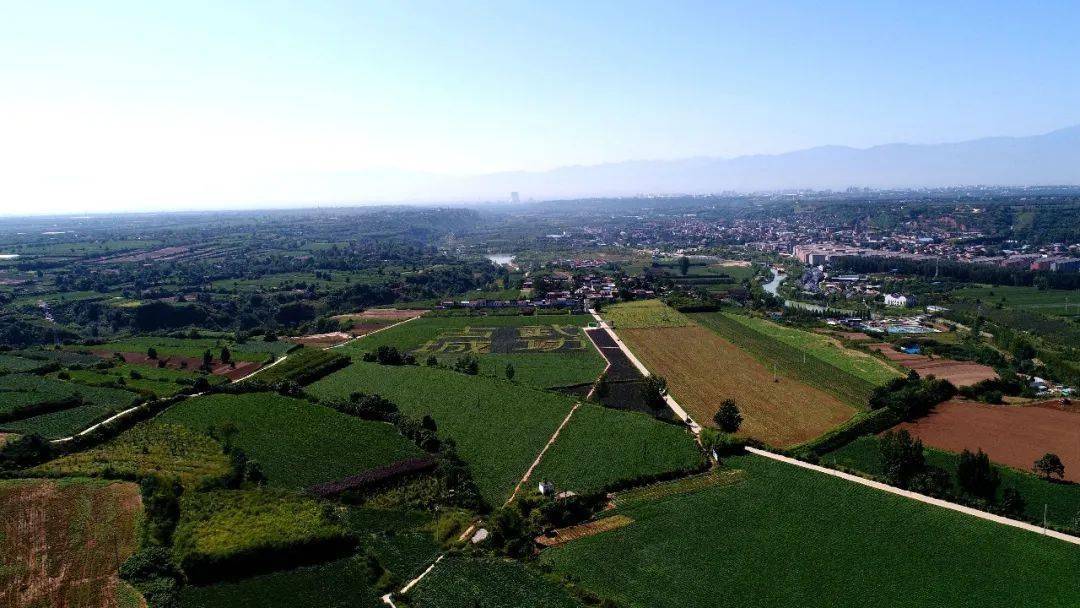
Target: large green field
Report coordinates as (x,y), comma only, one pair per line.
(21,391)
(499,427)
(616,445)
(806,356)
(297,443)
(537,369)
(785,536)
(1061,500)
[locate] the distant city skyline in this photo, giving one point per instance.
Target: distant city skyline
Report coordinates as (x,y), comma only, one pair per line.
(131,106)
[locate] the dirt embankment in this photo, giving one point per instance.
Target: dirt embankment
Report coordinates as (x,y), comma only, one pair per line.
(241,369)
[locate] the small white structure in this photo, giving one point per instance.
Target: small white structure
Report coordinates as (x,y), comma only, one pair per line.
(897,299)
(547,488)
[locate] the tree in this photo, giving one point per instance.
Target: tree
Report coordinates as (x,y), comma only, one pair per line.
(728,417)
(510,371)
(977,476)
(655,388)
(684,265)
(1049,466)
(226,356)
(207,358)
(902,457)
(151,352)
(1012,503)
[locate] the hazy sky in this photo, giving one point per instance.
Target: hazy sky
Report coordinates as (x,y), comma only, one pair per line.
(142,104)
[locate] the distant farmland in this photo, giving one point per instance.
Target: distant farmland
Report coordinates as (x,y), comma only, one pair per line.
(703,369)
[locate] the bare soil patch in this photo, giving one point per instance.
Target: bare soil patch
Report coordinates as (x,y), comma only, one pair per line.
(392,314)
(702,369)
(960,373)
(1010,435)
(592,528)
(63,541)
(243,368)
(5,437)
(322,340)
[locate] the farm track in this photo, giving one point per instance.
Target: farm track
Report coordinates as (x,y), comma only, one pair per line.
(919,497)
(674,405)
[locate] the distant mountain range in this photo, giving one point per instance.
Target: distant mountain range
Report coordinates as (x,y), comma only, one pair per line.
(1049,159)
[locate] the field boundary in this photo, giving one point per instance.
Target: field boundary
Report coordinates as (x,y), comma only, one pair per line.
(920,497)
(540,456)
(674,405)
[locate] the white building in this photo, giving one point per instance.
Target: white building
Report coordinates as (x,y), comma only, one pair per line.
(896,299)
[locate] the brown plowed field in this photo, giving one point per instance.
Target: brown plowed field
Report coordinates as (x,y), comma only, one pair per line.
(243,368)
(61,542)
(702,369)
(1010,435)
(960,373)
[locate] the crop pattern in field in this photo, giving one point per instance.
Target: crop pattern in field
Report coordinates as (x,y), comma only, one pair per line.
(523,339)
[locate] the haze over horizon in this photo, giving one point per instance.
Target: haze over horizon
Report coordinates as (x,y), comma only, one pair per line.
(136,107)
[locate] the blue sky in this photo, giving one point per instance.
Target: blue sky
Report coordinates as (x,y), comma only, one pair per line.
(145,104)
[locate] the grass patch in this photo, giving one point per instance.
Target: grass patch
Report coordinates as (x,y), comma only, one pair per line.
(617,446)
(304,366)
(499,427)
(786,536)
(297,443)
(644,313)
(149,382)
(148,449)
(232,533)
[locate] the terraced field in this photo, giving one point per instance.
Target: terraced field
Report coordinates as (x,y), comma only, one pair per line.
(55,408)
(806,356)
(297,443)
(785,536)
(644,313)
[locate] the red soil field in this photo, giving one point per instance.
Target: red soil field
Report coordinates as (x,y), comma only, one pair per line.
(1010,435)
(960,373)
(242,368)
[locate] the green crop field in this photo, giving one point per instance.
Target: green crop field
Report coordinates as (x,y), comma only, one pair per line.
(644,313)
(476,582)
(150,448)
(561,367)
(811,358)
(785,536)
(299,280)
(399,540)
(499,427)
(297,443)
(13,364)
(1061,500)
(147,381)
(26,393)
(617,445)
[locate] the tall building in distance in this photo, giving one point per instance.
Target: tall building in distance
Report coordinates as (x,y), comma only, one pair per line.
(514,198)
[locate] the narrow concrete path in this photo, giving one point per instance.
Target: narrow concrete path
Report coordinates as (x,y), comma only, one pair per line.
(674,405)
(540,456)
(877,485)
(276,361)
(117,416)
